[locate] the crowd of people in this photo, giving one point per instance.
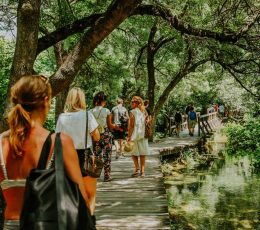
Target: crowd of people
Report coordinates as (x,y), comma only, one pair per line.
(190,116)
(83,134)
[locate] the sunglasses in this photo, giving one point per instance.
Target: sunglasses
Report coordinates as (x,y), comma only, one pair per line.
(45,79)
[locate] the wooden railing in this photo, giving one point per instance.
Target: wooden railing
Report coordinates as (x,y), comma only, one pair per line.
(172,126)
(207,123)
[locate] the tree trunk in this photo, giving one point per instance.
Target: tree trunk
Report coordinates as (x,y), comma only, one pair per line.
(151,80)
(60,56)
(60,102)
(116,14)
(28,15)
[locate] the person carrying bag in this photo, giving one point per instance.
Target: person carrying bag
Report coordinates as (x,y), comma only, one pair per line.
(47,193)
(52,201)
(81,125)
(93,165)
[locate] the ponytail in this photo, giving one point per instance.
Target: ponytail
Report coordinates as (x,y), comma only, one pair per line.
(19,123)
(27,95)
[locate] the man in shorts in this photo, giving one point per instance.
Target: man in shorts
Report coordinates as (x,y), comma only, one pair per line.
(120,117)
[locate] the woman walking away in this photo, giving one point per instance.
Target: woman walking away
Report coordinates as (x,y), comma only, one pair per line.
(178,121)
(103,147)
(120,117)
(73,122)
(22,145)
(136,132)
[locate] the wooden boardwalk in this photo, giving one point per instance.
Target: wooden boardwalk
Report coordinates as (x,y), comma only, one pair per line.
(132,203)
(136,203)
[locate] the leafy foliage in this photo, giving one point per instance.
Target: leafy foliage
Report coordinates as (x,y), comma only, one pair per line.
(245,140)
(6,55)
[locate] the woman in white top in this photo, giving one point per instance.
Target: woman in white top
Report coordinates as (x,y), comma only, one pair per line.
(136,132)
(103,147)
(21,145)
(73,123)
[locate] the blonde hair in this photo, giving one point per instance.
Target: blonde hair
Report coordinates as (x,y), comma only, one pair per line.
(75,100)
(140,103)
(27,94)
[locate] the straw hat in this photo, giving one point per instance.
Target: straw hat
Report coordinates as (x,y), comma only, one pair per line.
(129,147)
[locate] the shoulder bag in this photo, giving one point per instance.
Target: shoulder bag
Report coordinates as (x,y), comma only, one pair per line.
(93,165)
(52,201)
(148,125)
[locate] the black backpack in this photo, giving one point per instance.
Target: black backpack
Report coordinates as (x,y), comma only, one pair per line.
(123,119)
(52,201)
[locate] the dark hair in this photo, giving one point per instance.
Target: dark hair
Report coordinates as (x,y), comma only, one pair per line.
(146,102)
(99,98)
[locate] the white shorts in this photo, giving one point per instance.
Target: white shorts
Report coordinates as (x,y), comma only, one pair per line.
(141,147)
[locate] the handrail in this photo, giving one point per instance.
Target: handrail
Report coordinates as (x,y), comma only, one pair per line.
(204,122)
(209,114)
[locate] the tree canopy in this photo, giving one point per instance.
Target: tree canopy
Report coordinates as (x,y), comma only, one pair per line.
(134,47)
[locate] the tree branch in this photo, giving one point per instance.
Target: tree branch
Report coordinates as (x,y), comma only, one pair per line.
(184,71)
(62,33)
(141,51)
(116,14)
(226,67)
(162,42)
(80,25)
(185,28)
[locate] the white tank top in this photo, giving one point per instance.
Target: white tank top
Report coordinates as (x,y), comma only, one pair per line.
(139,126)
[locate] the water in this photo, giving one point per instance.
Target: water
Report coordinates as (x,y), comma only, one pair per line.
(218,193)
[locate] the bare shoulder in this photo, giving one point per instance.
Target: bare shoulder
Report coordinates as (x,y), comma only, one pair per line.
(5,134)
(131,115)
(69,150)
(5,139)
(66,139)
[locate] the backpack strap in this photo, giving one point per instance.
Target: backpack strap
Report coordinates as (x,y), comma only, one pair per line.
(86,134)
(60,183)
(45,152)
(99,113)
(2,159)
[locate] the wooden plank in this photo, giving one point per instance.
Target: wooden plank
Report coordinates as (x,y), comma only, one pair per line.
(209,126)
(128,203)
(132,203)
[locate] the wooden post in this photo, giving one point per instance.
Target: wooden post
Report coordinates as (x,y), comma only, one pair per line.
(170,127)
(199,125)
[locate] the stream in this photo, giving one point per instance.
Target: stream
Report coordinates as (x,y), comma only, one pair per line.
(213,191)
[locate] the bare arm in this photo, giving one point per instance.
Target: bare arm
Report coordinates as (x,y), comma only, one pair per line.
(110,123)
(131,123)
(95,135)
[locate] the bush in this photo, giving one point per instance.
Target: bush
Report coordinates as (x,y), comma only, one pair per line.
(245,140)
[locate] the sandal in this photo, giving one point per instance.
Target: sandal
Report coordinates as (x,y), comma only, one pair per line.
(142,174)
(136,173)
